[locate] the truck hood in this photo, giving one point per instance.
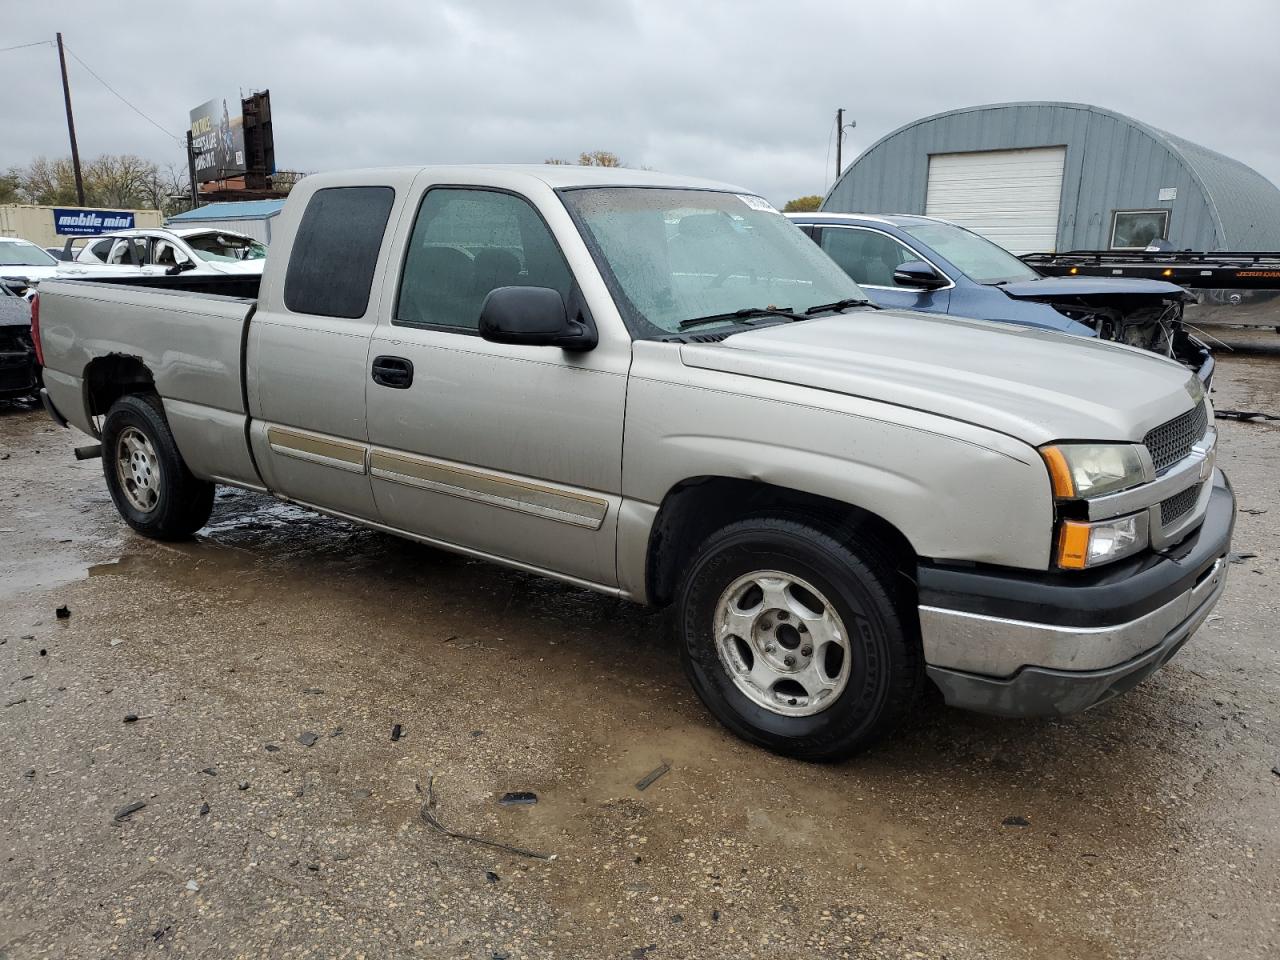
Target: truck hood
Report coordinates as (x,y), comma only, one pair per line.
(1035,385)
(1099,290)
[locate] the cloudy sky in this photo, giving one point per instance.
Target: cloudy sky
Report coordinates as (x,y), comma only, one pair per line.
(743,91)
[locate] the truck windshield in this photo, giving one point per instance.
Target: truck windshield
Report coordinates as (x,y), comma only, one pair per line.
(976,257)
(24,255)
(670,255)
(225,246)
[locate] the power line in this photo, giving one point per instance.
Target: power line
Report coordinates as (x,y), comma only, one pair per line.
(23,46)
(121,98)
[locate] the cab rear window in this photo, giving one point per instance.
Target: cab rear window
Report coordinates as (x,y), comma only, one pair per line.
(334,254)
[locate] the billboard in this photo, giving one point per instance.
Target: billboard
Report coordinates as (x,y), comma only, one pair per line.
(90,223)
(217,139)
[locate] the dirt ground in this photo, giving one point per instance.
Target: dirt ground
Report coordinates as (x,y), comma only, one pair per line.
(1152,824)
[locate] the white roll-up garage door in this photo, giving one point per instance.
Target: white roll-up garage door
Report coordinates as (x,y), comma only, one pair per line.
(1009,196)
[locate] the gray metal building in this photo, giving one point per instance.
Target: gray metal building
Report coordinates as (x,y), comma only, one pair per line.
(1043,177)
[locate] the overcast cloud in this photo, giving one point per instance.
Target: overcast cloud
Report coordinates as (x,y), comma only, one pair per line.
(743,92)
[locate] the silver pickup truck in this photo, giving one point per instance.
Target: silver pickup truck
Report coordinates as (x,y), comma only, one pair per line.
(658,388)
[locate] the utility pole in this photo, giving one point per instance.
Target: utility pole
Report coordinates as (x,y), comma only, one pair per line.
(71,124)
(840,128)
(191,169)
(839,139)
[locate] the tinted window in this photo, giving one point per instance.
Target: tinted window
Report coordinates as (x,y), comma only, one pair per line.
(335,251)
(468,242)
(868,256)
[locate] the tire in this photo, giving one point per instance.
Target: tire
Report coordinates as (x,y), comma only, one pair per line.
(149,481)
(881,659)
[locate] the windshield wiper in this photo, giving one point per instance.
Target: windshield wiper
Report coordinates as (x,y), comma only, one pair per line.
(746,313)
(841,305)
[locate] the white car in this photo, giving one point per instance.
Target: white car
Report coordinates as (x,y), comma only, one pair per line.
(22,259)
(157,252)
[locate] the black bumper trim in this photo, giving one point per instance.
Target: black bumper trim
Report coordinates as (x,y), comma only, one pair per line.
(1117,593)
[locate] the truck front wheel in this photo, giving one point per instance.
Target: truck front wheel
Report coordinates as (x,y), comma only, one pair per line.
(149,482)
(795,640)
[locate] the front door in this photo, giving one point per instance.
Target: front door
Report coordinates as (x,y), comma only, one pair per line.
(870,258)
(506,451)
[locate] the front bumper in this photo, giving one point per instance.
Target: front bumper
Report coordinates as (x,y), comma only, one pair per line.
(1049,644)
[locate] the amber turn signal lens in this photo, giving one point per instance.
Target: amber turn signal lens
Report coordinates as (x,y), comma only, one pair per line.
(1059,472)
(1073,545)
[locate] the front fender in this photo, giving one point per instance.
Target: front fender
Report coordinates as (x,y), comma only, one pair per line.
(955,491)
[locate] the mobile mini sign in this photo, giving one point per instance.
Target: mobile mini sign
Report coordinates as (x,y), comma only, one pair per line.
(90,223)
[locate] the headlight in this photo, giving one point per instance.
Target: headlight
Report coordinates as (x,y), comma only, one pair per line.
(1082,545)
(1092,469)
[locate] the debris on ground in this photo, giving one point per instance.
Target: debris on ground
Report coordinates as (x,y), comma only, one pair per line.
(361,794)
(648,780)
(211,771)
(396,731)
(427,815)
(130,718)
(62,613)
(1240,557)
(1015,821)
(270,747)
(1253,511)
(1243,415)
(128,810)
(308,739)
(518,798)
(193,886)
(491,876)
(242,785)
(204,809)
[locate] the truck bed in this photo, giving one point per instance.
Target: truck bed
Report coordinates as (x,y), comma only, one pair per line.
(190,339)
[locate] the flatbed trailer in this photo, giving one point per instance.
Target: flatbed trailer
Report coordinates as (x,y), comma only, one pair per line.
(1239,289)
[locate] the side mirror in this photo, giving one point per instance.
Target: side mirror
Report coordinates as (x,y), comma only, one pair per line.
(917,273)
(180,267)
(532,317)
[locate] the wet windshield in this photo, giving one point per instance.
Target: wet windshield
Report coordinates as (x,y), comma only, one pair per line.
(673,255)
(976,257)
(225,246)
(24,255)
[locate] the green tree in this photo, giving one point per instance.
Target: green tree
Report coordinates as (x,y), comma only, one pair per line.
(803,204)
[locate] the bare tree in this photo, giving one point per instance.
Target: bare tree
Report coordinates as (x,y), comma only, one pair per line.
(591,158)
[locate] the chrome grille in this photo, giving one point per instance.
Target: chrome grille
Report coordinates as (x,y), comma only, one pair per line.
(1179,505)
(1173,440)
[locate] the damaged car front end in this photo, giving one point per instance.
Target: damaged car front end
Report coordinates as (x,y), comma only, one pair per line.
(19,371)
(1146,314)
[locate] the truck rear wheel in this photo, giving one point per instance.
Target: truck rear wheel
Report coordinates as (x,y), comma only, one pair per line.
(149,482)
(794,640)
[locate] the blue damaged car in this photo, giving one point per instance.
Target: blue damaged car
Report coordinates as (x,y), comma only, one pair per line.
(922,263)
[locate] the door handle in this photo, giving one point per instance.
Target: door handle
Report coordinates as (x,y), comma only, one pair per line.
(394,372)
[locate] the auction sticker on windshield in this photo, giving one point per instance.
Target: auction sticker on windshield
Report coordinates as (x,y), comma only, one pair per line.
(756,203)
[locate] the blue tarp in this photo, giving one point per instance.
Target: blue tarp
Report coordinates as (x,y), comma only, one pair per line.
(245,210)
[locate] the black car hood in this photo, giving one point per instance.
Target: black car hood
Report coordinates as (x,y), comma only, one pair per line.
(1097,290)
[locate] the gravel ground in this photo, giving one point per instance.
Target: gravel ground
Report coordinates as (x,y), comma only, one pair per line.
(191,677)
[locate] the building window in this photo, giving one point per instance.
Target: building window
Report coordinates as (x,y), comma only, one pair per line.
(1136,229)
